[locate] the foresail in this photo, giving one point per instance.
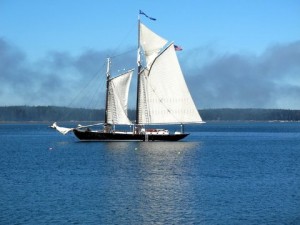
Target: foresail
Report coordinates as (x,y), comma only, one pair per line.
(151,43)
(164,96)
(118,99)
(62,130)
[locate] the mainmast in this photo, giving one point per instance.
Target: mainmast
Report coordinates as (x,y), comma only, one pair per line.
(138,75)
(107,88)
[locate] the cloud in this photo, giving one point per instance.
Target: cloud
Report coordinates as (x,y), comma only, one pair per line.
(15,77)
(59,78)
(216,80)
(270,80)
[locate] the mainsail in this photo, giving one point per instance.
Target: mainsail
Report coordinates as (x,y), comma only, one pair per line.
(164,96)
(118,99)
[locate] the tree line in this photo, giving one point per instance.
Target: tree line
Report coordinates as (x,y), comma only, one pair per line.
(250,114)
(53,113)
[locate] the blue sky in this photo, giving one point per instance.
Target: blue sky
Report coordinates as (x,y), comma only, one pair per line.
(236,53)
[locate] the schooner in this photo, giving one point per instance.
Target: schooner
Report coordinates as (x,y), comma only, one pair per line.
(162,97)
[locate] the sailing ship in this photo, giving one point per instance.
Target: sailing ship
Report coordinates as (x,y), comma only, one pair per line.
(162,97)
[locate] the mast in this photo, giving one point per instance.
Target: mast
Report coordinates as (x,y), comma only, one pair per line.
(107,89)
(138,75)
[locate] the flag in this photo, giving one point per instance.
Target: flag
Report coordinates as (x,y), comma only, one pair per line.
(142,13)
(177,48)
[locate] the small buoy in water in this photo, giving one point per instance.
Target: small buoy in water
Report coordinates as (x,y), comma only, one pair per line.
(50,148)
(136,149)
(178,153)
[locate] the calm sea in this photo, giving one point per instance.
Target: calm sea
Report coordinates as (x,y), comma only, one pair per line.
(223,173)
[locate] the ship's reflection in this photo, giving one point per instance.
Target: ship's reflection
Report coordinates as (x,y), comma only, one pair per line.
(154,146)
(162,176)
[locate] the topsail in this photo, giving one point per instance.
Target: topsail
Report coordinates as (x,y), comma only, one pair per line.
(151,43)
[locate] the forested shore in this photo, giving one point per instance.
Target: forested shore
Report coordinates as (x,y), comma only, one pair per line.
(53,113)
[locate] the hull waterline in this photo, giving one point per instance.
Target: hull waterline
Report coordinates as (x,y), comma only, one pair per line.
(101,136)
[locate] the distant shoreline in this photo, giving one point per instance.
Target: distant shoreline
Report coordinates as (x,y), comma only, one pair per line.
(48,114)
(49,123)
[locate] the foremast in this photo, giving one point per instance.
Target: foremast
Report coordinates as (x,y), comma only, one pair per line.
(116,100)
(106,125)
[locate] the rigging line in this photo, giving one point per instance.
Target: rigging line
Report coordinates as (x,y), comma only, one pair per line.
(92,98)
(95,87)
(124,53)
(123,40)
(73,101)
(91,103)
(85,86)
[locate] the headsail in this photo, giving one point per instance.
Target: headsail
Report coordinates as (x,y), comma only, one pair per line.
(164,96)
(62,130)
(118,99)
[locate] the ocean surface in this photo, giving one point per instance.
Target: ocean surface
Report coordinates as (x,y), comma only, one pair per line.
(223,173)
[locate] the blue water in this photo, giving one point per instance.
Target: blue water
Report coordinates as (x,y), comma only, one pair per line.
(223,173)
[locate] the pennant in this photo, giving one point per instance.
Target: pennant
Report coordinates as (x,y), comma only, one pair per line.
(142,13)
(177,48)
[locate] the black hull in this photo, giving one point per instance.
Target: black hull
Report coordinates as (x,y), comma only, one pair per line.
(101,136)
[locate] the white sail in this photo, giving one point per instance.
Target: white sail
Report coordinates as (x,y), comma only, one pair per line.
(151,43)
(62,130)
(118,99)
(164,96)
